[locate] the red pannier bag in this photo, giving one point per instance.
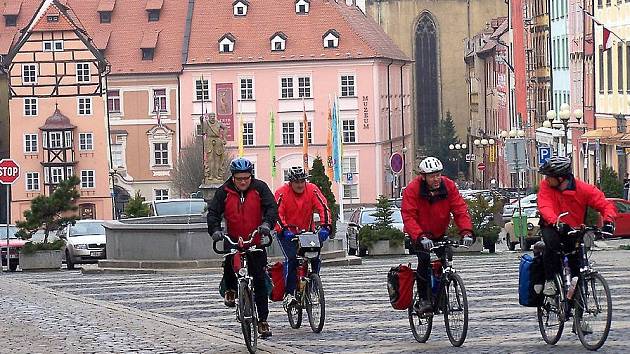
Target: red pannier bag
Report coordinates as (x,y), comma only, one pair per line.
(400,282)
(276,272)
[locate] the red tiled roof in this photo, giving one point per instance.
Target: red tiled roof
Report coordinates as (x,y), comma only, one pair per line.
(12,8)
(43,25)
(360,36)
(156,4)
(57,121)
(6,39)
(149,39)
(101,39)
(106,5)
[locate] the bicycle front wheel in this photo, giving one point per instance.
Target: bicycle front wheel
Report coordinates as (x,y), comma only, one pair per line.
(315,303)
(249,321)
(593,311)
(421,324)
(551,314)
(455,309)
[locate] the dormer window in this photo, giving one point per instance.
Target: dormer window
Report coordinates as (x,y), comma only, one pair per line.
(10,21)
(148,53)
(154,15)
(52,18)
(148,44)
(331,39)
(302,6)
(240,7)
(226,43)
(105,8)
(105,16)
(153,9)
(278,41)
(11,12)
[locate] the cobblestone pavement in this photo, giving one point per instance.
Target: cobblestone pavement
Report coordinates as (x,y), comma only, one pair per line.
(180,312)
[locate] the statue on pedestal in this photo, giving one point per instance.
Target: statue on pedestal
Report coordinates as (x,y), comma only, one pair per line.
(214,132)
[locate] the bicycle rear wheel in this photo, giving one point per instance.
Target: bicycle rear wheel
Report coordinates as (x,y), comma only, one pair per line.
(551,314)
(315,303)
(294,312)
(249,321)
(455,310)
(593,311)
(421,324)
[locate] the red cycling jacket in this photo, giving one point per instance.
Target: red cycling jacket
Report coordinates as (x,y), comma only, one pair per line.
(424,211)
(297,209)
(579,195)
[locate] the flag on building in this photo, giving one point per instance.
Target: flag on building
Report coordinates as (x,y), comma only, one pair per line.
(607,40)
(272,143)
(336,144)
(304,137)
(329,145)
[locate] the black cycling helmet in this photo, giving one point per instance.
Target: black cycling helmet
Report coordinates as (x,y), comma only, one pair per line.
(241,165)
(297,173)
(556,166)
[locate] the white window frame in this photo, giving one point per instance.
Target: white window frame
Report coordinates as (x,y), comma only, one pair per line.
(278,40)
(300,3)
(308,87)
(88,179)
(67,139)
(250,90)
(347,162)
(204,91)
(229,43)
(32,74)
(352,131)
(86,141)
(290,134)
(32,182)
(118,154)
(31,106)
(295,87)
(241,6)
(252,134)
(55,46)
(83,72)
(154,160)
(301,132)
(351,90)
(351,187)
(31,144)
(160,97)
(56,178)
(287,91)
(161,195)
(55,137)
(113,99)
(331,37)
(84,106)
(296,134)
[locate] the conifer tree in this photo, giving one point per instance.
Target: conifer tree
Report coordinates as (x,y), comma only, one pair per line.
(136,208)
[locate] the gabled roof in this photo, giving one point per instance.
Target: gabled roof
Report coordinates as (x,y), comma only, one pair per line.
(331,31)
(361,36)
(279,34)
(228,36)
(57,121)
(244,2)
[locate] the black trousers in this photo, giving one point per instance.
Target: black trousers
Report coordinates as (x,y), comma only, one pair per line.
(424,268)
(554,244)
(256,266)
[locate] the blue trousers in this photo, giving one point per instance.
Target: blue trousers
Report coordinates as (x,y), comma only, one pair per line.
(289,249)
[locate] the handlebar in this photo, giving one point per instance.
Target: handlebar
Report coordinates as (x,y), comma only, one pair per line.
(243,245)
(447,242)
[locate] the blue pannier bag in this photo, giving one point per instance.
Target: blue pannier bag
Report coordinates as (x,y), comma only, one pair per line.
(530,281)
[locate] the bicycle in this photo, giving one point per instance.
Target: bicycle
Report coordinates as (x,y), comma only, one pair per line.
(592,306)
(448,298)
(245,305)
(309,291)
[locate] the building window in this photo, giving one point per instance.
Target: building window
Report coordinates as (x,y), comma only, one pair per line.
(32,181)
(106,16)
(56,175)
(160,194)
(286,85)
(304,87)
(86,141)
(29,74)
(310,133)
(349,165)
(226,43)
(240,11)
(620,67)
(53,46)
(350,191)
(30,143)
(147,53)
(68,139)
(609,68)
(85,106)
(30,106)
(117,156)
(302,7)
(83,72)
(349,131)
(288,133)
(113,101)
(10,21)
(247,89)
(87,179)
(154,15)
(601,69)
(347,86)
(55,140)
(248,134)
(159,100)
(55,18)
(202,90)
(331,39)
(160,153)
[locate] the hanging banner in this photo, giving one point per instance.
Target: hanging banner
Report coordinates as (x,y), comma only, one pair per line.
(225,111)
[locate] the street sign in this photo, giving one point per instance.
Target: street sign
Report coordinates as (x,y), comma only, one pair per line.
(544,153)
(349,176)
(516,154)
(481,166)
(9,171)
(470,157)
(396,162)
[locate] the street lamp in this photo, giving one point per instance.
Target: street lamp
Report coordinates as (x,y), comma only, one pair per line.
(457,149)
(562,120)
(483,144)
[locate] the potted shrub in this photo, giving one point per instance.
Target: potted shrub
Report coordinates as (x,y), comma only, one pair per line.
(484,225)
(381,238)
(49,214)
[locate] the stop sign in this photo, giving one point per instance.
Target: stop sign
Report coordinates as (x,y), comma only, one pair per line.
(481,166)
(9,171)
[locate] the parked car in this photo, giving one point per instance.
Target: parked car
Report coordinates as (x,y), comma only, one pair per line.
(15,245)
(622,222)
(362,217)
(527,202)
(533,229)
(194,206)
(85,242)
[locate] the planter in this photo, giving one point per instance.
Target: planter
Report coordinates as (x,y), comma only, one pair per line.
(476,247)
(382,248)
(41,260)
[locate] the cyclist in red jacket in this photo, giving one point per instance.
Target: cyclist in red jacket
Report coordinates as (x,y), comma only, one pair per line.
(247,205)
(561,192)
(297,200)
(427,205)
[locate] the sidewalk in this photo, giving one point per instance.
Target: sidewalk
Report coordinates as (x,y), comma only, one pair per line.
(34,319)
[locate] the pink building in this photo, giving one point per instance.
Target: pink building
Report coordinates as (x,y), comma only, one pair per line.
(57,105)
(289,56)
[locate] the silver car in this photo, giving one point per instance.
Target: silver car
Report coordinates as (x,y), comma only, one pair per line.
(195,206)
(85,242)
(365,216)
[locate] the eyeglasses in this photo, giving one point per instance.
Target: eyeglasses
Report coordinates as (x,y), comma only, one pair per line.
(242,179)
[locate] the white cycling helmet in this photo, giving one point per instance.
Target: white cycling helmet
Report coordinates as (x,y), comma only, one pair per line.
(431,165)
